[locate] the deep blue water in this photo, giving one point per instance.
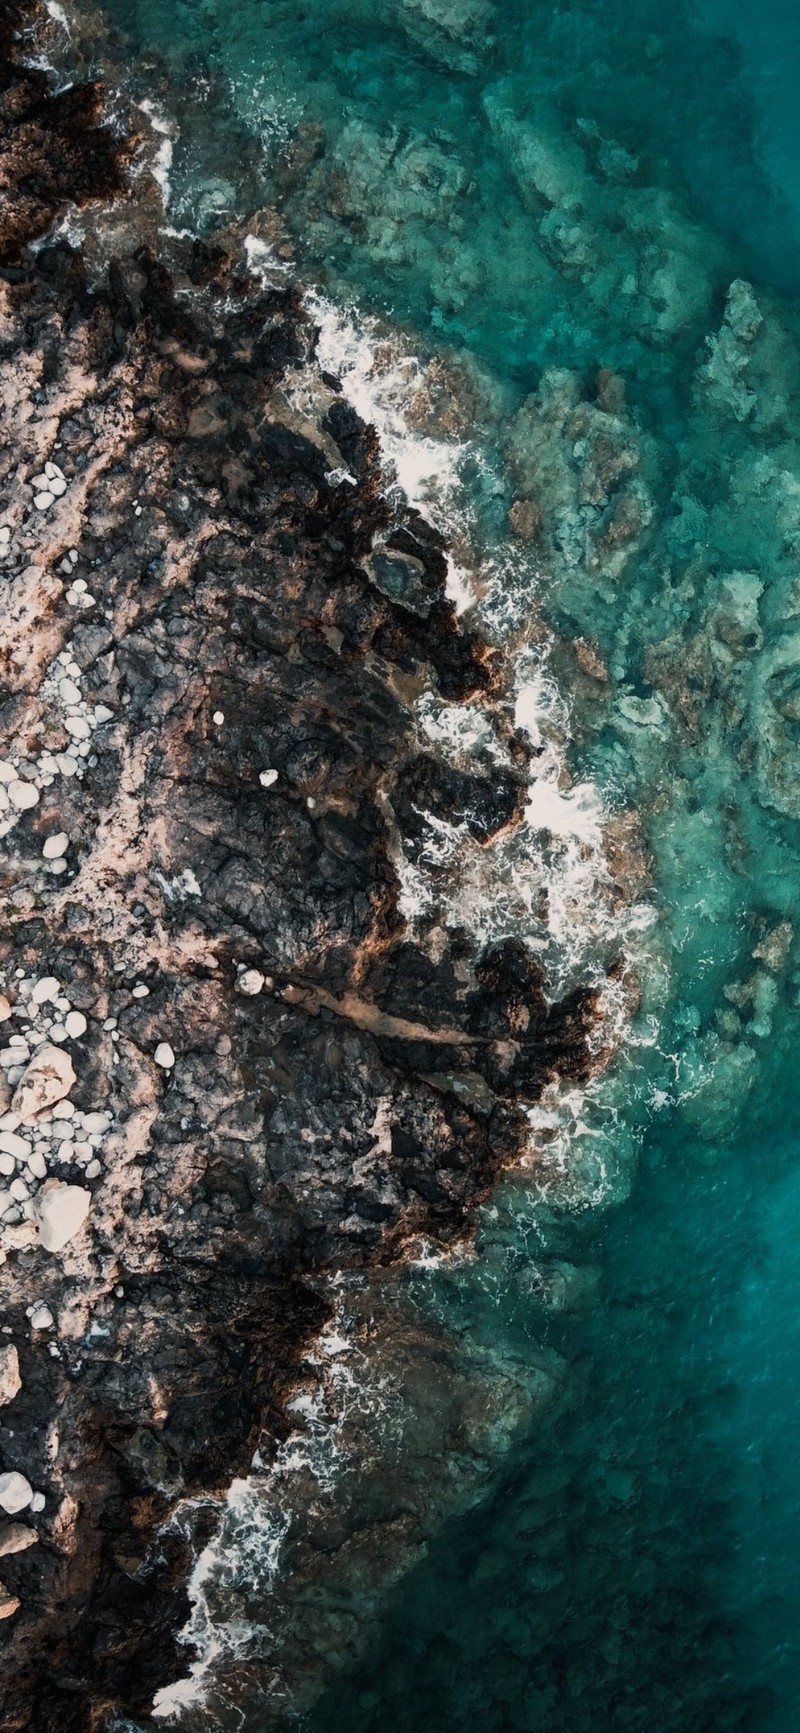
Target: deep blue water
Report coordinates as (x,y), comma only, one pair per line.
(577,185)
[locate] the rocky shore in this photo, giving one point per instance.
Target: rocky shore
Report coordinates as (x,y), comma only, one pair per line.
(229,1069)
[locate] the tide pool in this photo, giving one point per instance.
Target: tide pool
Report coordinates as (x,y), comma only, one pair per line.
(592,214)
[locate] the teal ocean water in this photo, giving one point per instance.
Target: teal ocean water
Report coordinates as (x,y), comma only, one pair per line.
(590,214)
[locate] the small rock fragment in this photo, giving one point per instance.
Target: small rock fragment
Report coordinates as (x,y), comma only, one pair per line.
(9,1604)
(23,795)
(250,982)
(55,846)
(61,1212)
(46,1080)
(75,1024)
(15,1492)
(45,990)
(16,1537)
(267,778)
(10,1381)
(164,1056)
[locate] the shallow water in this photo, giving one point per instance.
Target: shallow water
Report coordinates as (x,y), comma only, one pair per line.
(526,187)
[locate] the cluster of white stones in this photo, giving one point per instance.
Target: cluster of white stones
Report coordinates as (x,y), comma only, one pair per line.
(16,1493)
(77,594)
(22,778)
(42,1131)
(48,486)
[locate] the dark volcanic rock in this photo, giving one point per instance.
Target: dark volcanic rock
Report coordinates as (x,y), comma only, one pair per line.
(247,634)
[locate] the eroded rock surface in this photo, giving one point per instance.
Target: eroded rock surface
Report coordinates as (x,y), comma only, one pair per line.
(211,769)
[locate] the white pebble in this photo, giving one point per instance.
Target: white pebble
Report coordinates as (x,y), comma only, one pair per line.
(78,727)
(41,1316)
(75,1024)
(63,1109)
(39,1501)
(267,777)
(83,1150)
(56,845)
(45,990)
(18,1190)
(7,771)
(93,1169)
(66,763)
(140,991)
(44,499)
(57,486)
(16,1493)
(66,1150)
(219,717)
(94,1122)
(7,1164)
(68,692)
(13,1145)
(23,795)
(250,982)
(37,1165)
(164,1056)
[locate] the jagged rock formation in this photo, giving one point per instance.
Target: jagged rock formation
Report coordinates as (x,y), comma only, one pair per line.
(211,643)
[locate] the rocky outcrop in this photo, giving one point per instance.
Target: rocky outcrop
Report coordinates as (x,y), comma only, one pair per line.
(232,1067)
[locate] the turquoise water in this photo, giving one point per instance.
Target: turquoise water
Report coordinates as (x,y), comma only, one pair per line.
(530,188)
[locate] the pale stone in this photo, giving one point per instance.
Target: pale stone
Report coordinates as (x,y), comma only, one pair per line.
(55,846)
(23,795)
(250,982)
(7,1164)
(140,991)
(10,1381)
(5,1008)
(96,1121)
(45,990)
(66,763)
(219,717)
(9,1604)
(41,1316)
(267,778)
(11,1144)
(7,771)
(61,1212)
(37,1165)
(16,1537)
(47,1079)
(39,1501)
(77,726)
(43,500)
(75,1024)
(15,1492)
(164,1056)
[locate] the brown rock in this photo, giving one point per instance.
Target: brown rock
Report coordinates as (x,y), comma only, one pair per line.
(9,1604)
(16,1537)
